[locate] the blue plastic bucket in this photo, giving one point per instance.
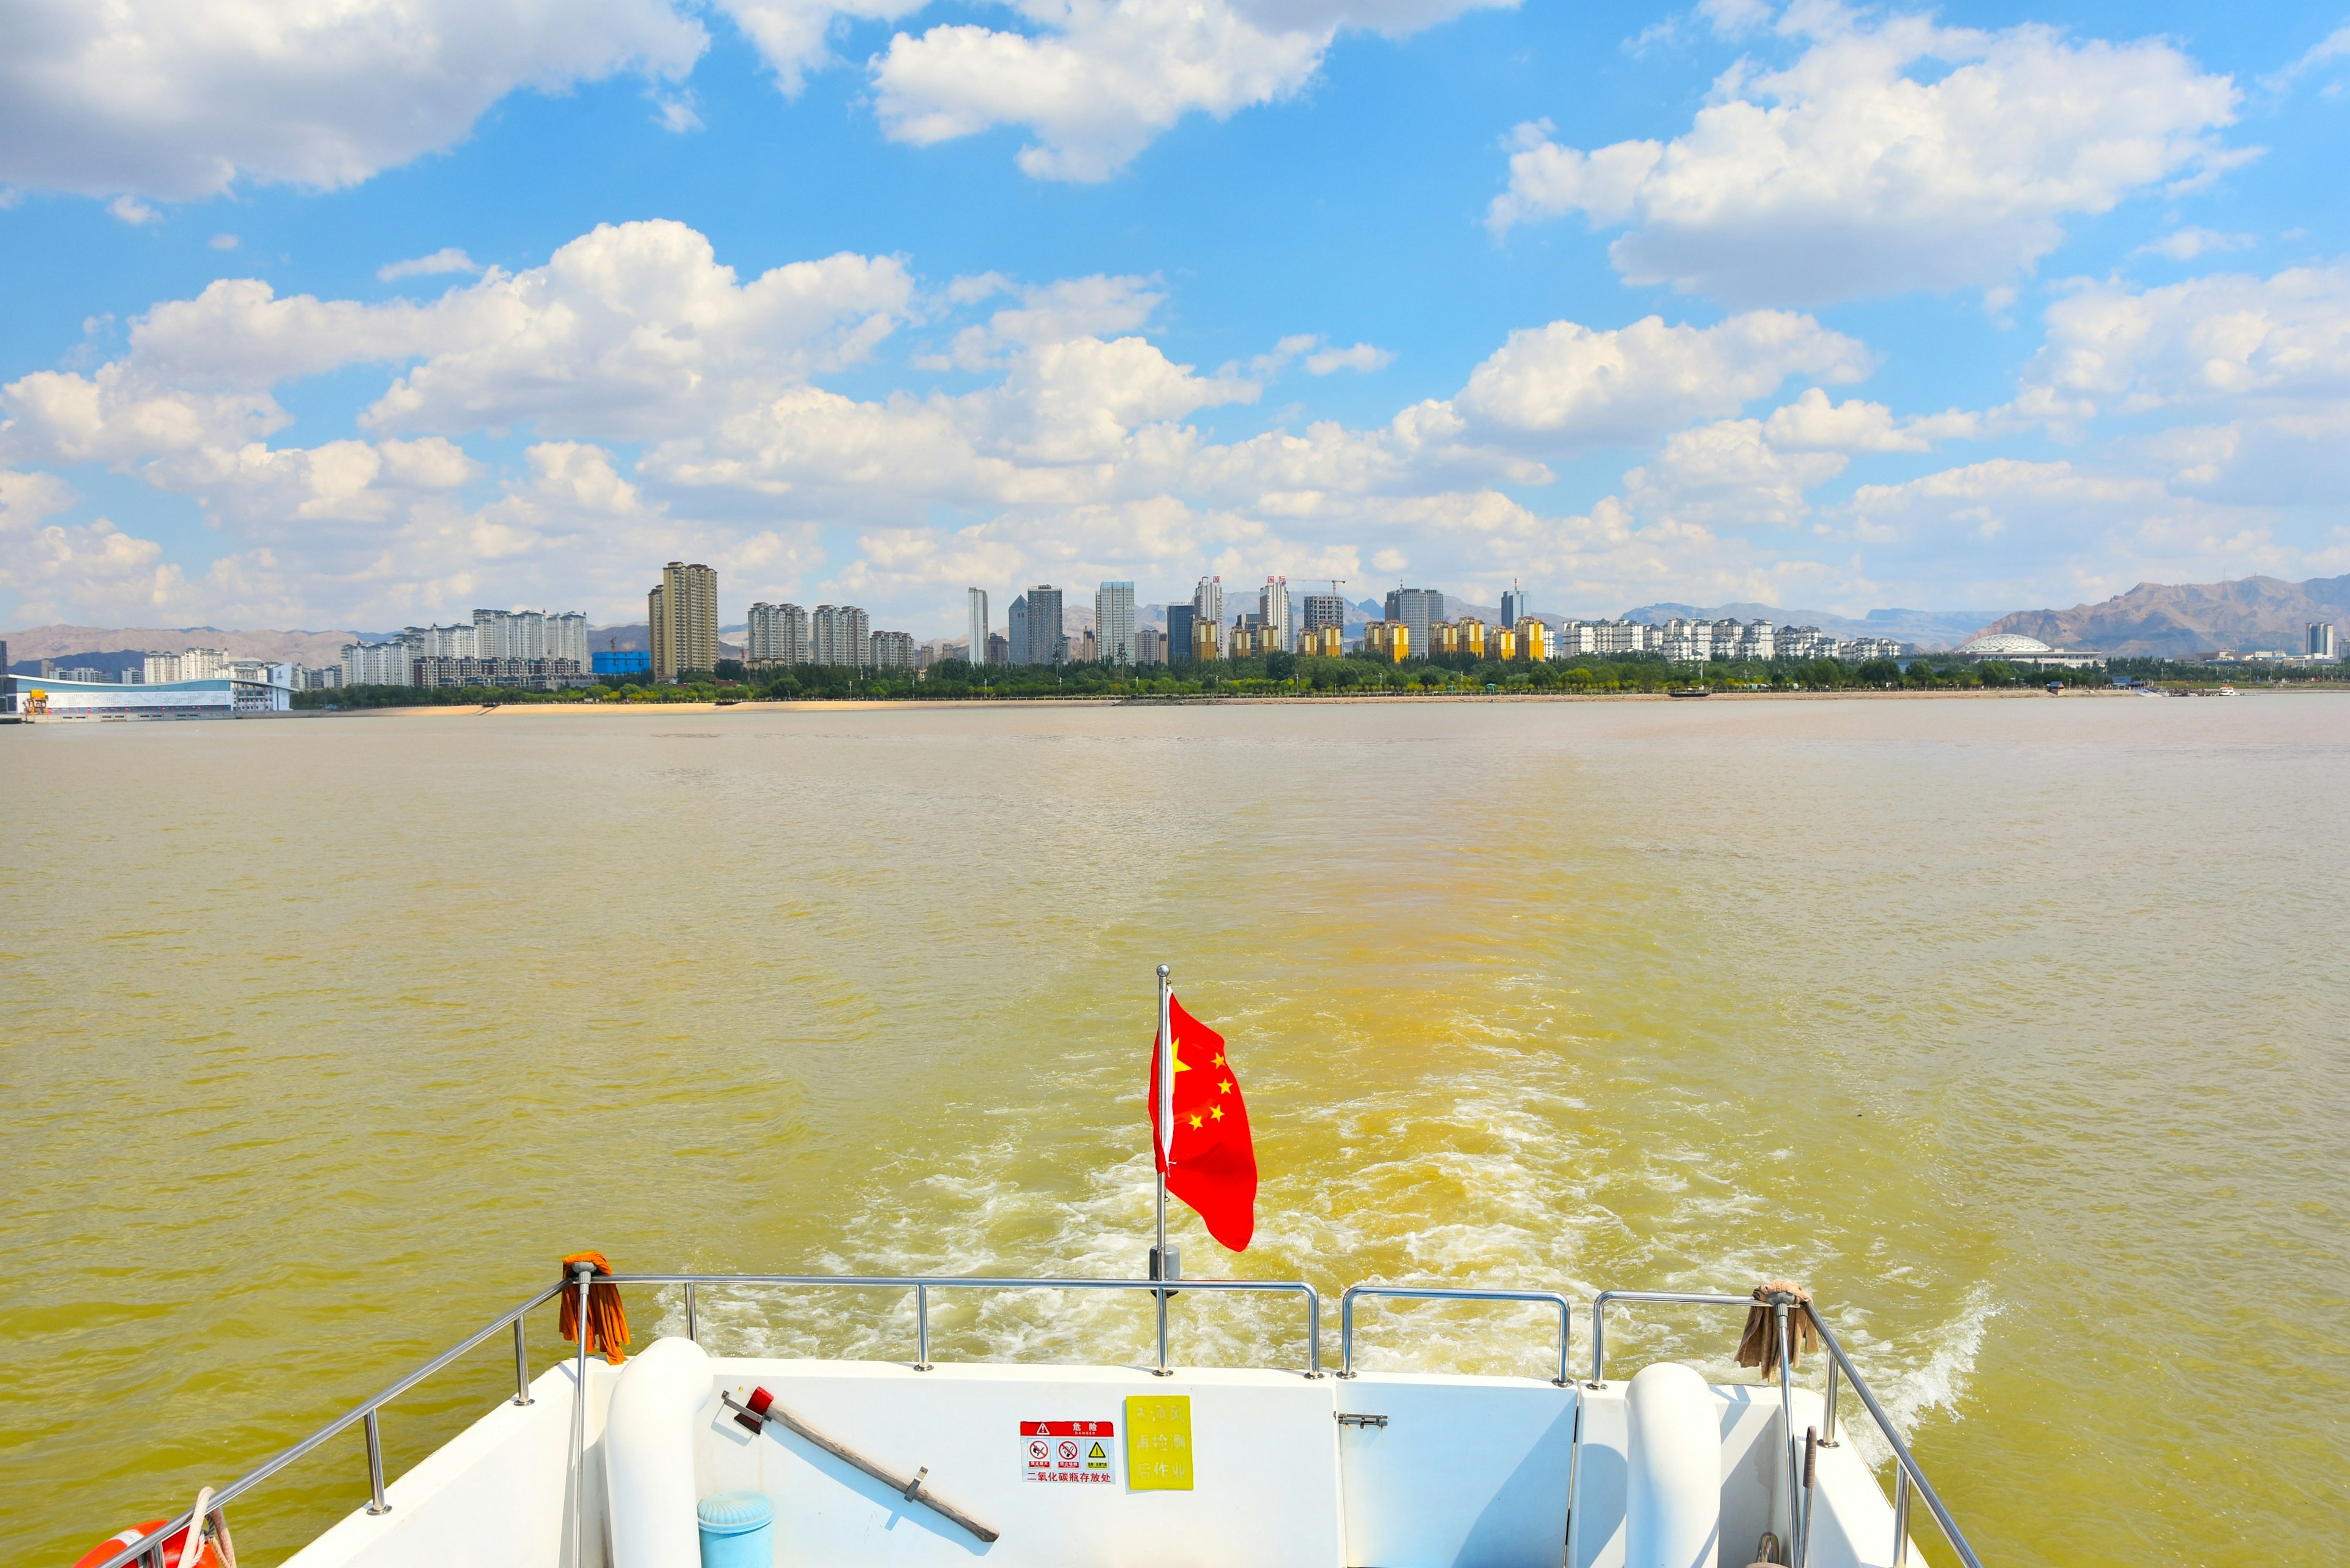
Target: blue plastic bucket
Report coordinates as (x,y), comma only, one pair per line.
(738,1530)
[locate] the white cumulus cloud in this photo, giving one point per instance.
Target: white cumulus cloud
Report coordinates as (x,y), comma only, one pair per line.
(1362,356)
(1096,80)
(2276,343)
(2186,244)
(1567,386)
(1047,313)
(794,37)
(176,101)
(449,258)
(1886,157)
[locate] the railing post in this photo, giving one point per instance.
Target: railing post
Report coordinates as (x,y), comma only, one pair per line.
(1162,1293)
(585,1272)
(1900,1513)
(1828,1434)
(1313,1333)
(921,1328)
(522,1366)
(375,1469)
(1346,1334)
(1566,1335)
(1599,1340)
(1779,1303)
(691,1327)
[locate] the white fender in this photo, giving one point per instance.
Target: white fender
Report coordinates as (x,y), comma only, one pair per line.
(648,1456)
(1672,1502)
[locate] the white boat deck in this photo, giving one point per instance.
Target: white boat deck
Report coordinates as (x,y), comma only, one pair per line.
(1468,1472)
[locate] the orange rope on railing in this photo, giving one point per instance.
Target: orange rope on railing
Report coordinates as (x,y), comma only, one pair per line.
(1758,1346)
(608,1320)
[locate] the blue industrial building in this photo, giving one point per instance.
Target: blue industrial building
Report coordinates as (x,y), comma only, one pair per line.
(622,661)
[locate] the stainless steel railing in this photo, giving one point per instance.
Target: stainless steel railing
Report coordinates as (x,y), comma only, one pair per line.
(1431,1293)
(148,1548)
(923,1285)
(1906,1472)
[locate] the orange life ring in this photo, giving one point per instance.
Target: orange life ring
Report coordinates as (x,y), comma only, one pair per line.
(172,1546)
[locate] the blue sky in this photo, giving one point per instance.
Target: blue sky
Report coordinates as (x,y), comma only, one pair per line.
(369,318)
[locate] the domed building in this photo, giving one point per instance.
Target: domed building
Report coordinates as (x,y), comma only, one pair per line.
(2017,648)
(2004,645)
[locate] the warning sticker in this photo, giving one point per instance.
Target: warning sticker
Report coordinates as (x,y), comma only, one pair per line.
(1070,1452)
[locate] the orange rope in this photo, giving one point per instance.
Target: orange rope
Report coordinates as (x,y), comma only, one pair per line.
(608,1320)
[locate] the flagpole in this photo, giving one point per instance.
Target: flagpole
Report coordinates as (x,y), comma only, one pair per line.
(1163,1092)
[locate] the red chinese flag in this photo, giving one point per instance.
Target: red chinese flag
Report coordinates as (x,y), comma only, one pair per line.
(1211,1164)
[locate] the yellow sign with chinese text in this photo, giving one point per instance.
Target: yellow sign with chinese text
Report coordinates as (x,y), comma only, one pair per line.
(1159,1442)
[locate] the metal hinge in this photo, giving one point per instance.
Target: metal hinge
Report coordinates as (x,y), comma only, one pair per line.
(1348,1418)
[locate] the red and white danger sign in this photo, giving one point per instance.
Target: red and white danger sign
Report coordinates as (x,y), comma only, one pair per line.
(1084,1453)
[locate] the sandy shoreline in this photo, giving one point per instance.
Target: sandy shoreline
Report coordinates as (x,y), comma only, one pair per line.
(656,710)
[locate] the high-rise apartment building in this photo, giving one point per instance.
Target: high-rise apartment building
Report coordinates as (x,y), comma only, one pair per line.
(1316,612)
(1047,638)
(1208,610)
(1272,613)
(841,635)
(1114,624)
(529,634)
(364,664)
(1420,609)
(976,602)
(2321,640)
(891,652)
(1015,629)
(778,634)
(681,612)
(1514,605)
(1149,645)
(204,664)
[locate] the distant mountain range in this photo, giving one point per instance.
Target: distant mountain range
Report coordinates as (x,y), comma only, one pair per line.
(2168,622)
(113,649)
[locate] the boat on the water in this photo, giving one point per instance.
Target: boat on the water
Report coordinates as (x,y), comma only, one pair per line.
(683,1456)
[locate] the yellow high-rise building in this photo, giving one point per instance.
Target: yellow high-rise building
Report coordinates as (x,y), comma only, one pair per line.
(1471,631)
(1537,642)
(1388,640)
(1203,641)
(682,615)
(1503,645)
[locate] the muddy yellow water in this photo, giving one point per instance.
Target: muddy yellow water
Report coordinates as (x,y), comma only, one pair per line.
(2016,1029)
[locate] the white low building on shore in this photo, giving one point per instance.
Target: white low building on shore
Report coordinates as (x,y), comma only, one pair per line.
(2014,647)
(218,697)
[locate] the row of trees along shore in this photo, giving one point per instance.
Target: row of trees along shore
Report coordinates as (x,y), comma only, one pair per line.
(1282,674)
